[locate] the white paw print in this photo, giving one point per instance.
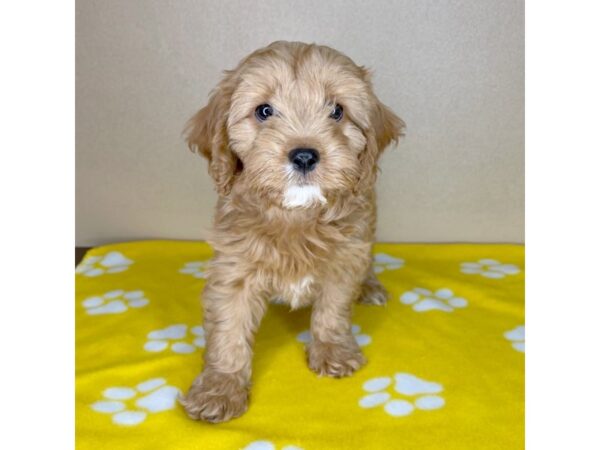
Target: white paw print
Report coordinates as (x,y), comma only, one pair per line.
(418,391)
(424,300)
(159,340)
(268,445)
(383,261)
(517,337)
(195,268)
(361,339)
(114,302)
(112,262)
(158,397)
(489,268)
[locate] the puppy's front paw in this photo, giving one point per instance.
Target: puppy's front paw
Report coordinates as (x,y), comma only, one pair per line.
(216,397)
(335,360)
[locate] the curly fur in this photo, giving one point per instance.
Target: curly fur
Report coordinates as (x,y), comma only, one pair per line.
(314,251)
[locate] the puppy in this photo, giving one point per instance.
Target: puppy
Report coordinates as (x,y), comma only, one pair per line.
(292,137)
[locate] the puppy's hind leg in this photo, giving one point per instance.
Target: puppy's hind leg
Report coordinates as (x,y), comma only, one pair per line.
(372,291)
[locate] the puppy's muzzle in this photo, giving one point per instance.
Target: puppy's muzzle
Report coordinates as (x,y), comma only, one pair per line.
(304,159)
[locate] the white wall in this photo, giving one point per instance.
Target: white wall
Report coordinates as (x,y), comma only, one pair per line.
(453,70)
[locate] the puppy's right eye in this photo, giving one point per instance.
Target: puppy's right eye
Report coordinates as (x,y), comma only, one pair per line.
(263,112)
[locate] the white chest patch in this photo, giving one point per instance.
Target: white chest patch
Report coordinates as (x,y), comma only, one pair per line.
(303,196)
(299,291)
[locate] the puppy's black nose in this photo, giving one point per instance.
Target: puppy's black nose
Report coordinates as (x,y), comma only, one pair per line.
(304,159)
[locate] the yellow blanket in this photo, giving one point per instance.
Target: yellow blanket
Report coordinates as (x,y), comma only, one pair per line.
(445,356)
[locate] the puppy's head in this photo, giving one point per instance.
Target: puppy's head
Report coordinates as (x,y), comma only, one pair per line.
(295,123)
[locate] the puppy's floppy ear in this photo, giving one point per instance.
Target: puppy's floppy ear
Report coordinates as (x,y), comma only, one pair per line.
(388,126)
(206,133)
(385,128)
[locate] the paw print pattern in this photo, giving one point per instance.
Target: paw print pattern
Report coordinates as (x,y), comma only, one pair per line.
(149,397)
(417,393)
(175,337)
(361,339)
(517,337)
(195,268)
(424,300)
(489,268)
(268,445)
(112,262)
(383,261)
(114,302)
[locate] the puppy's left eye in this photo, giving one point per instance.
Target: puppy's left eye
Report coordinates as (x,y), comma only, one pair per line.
(337,113)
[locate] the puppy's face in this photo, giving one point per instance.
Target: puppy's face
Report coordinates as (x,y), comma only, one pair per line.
(296,123)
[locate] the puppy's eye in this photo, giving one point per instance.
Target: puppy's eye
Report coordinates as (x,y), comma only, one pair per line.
(263,112)
(337,113)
